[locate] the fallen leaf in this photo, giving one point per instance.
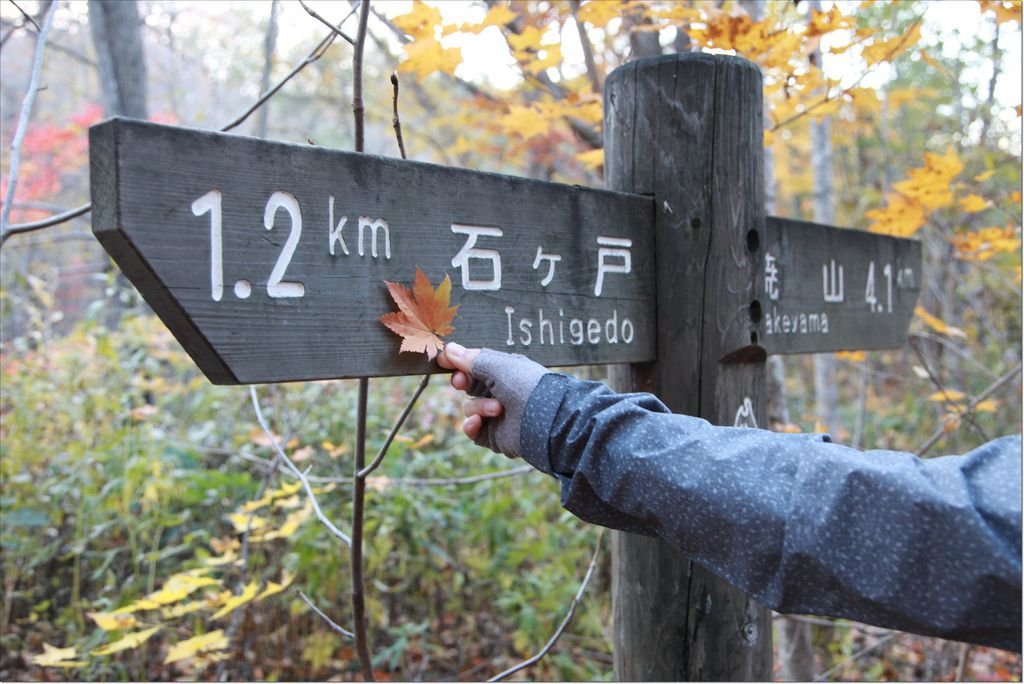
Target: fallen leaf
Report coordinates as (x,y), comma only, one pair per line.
(109,622)
(424,316)
(276,587)
(233,602)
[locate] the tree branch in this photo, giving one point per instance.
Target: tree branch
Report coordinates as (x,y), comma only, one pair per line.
(565,622)
(358,505)
(295,471)
(357,77)
(334,625)
(23,118)
(362,473)
(986,393)
(451,481)
(859,654)
(337,31)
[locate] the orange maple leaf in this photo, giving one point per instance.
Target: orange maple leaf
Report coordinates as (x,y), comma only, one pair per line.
(424,316)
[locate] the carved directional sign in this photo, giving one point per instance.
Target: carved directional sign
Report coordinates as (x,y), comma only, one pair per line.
(267,260)
(830,289)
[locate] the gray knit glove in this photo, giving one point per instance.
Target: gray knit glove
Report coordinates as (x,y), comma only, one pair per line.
(509,378)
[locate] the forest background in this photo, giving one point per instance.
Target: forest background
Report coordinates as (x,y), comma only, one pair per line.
(148,530)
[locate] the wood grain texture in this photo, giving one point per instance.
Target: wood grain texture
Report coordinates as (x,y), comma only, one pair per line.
(800,319)
(145,178)
(687,129)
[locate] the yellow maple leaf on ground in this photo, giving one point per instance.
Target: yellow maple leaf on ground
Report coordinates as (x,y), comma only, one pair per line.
(56,657)
(128,641)
(189,648)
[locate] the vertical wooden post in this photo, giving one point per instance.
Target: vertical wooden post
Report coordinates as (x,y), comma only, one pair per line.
(687,130)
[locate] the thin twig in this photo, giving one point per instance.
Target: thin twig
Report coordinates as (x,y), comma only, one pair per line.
(22,129)
(986,393)
(315,54)
(395,121)
(338,31)
(295,471)
(588,49)
(334,625)
(962,413)
(394,431)
(28,17)
(859,654)
(565,622)
(456,481)
(358,507)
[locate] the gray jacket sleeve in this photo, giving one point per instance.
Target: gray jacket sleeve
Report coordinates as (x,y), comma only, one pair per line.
(931,546)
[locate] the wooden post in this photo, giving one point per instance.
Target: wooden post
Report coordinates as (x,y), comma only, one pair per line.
(687,130)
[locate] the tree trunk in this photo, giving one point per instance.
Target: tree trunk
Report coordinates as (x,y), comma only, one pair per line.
(269,41)
(117,37)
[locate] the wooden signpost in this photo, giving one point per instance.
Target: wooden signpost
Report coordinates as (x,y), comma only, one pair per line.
(267,261)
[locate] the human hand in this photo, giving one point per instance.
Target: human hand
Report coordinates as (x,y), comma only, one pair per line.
(499,385)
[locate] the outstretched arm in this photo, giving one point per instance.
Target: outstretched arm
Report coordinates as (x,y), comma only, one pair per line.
(930,546)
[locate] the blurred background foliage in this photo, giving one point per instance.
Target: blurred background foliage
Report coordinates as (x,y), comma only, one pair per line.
(126,475)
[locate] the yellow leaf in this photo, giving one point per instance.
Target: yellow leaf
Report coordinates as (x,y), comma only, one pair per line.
(930,184)
(189,648)
(853,356)
(419,22)
(791,428)
(499,15)
(591,159)
(936,323)
(56,657)
(900,217)
(133,640)
(232,603)
(982,177)
(987,406)
(275,587)
(598,13)
(183,609)
(526,122)
(547,57)
(947,395)
(528,40)
(972,204)
(110,622)
(228,557)
(427,55)
(889,49)
(935,64)
(1014,197)
(246,521)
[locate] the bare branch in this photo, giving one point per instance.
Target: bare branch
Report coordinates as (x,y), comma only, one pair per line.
(395,121)
(23,118)
(28,17)
(295,471)
(54,220)
(452,481)
(963,413)
(859,654)
(334,625)
(986,393)
(588,49)
(565,622)
(362,473)
(337,31)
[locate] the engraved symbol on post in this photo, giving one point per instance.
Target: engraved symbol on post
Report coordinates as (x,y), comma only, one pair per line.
(552,259)
(772,279)
(831,286)
(745,414)
(374,225)
(470,251)
(615,248)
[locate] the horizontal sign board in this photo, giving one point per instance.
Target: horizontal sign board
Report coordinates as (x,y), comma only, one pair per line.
(822,288)
(267,260)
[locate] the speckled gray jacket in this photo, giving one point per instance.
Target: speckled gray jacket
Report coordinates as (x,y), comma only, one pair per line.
(929,546)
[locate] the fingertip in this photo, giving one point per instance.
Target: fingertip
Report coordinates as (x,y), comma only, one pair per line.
(471,426)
